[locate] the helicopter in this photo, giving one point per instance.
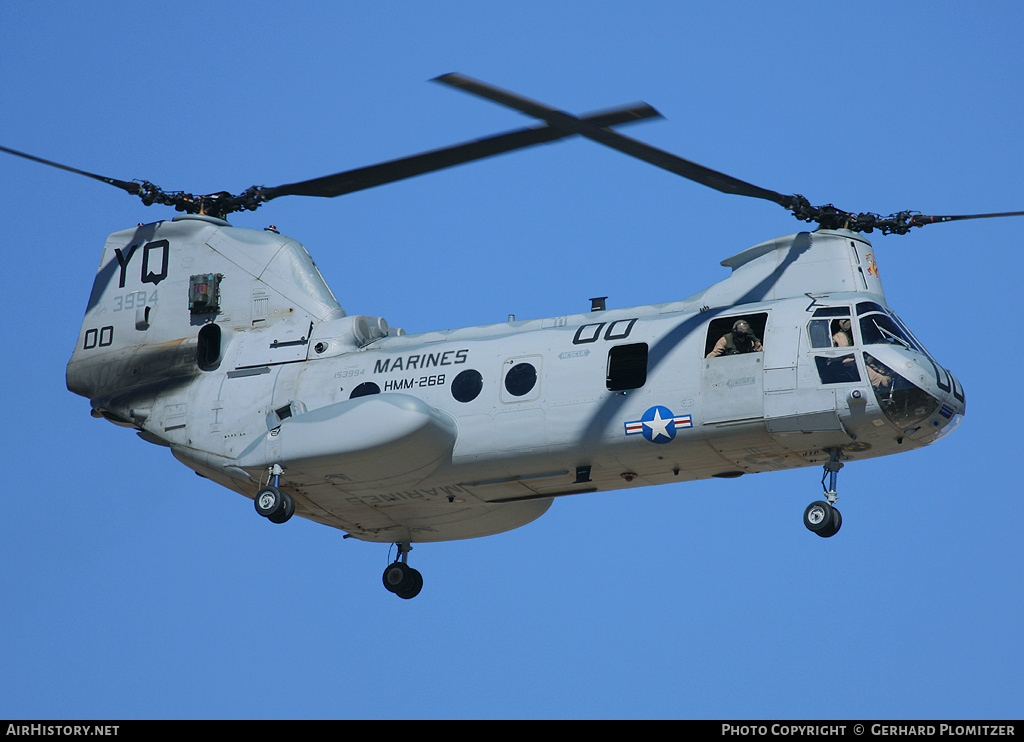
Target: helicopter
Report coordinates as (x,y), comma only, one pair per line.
(227,346)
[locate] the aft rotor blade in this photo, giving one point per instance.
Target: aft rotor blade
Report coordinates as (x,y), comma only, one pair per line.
(132,188)
(653,155)
(222,203)
(408,167)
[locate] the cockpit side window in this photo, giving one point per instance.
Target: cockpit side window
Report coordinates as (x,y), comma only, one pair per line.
(820,337)
(837,369)
(830,328)
(833,311)
(836,333)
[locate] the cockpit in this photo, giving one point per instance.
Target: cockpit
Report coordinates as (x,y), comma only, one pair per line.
(869,341)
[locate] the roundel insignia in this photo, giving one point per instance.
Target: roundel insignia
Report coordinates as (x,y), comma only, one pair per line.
(658,424)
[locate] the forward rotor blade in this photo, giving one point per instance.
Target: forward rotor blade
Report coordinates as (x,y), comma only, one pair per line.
(130,187)
(827,217)
(919,220)
(569,123)
(898,223)
(408,167)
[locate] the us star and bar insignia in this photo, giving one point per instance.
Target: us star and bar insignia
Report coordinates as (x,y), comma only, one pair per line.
(658,424)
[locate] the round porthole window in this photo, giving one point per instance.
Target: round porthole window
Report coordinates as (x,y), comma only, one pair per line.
(367,387)
(467,385)
(520,379)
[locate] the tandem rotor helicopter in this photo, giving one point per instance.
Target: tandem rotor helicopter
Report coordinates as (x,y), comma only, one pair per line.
(227,346)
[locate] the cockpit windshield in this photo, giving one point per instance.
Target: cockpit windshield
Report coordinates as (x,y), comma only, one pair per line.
(902,401)
(878,326)
(881,329)
(848,346)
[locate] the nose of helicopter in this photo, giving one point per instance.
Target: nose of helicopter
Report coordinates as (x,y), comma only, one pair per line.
(952,404)
(921,399)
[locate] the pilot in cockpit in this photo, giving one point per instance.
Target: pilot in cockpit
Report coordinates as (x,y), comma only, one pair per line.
(842,334)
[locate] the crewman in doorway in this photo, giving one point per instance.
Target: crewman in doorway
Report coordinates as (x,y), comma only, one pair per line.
(740,340)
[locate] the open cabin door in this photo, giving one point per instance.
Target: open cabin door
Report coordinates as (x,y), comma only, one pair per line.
(733,398)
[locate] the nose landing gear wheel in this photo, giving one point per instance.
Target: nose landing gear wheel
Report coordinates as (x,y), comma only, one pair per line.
(403,580)
(274,505)
(822,519)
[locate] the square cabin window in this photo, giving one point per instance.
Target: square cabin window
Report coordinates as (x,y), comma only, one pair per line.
(627,367)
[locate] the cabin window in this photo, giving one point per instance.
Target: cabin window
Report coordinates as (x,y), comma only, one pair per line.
(734,335)
(365,389)
(520,379)
(627,367)
(208,348)
(467,385)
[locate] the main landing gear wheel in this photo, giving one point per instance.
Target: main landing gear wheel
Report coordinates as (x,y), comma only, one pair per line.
(274,505)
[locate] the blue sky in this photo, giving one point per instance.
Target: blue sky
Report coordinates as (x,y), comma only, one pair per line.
(134,589)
